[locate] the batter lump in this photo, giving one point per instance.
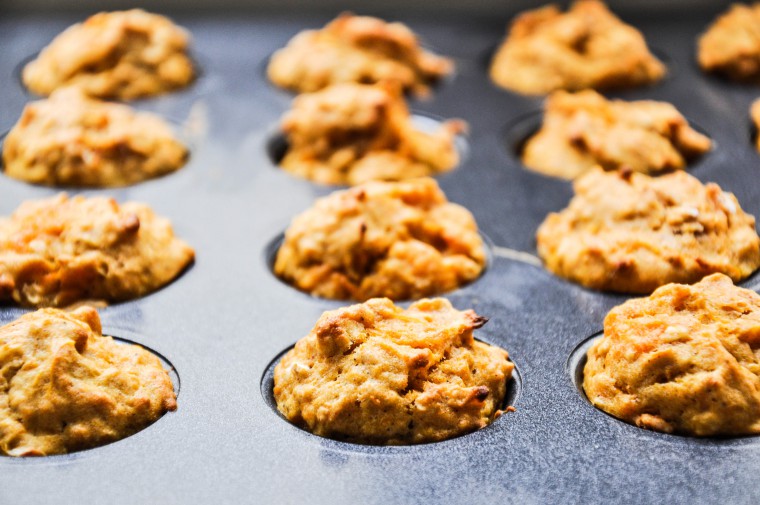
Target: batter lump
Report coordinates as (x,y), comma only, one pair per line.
(629,232)
(65,387)
(357,49)
(352,133)
(400,240)
(378,374)
(60,250)
(684,360)
(72,140)
(586,47)
(583,130)
(731,46)
(115,55)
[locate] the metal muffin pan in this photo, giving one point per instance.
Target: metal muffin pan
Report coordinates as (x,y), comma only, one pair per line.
(228,318)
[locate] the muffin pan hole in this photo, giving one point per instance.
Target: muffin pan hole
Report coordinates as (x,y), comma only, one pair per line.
(273,246)
(518,132)
(577,361)
(512,396)
(277,142)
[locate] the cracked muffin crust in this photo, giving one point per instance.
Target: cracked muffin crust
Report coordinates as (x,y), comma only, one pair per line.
(401,240)
(358,49)
(684,360)
(60,250)
(353,133)
(629,232)
(586,47)
(71,140)
(115,55)
(65,387)
(731,45)
(378,374)
(583,130)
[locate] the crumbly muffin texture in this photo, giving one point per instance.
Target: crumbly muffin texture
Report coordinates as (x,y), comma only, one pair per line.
(65,387)
(583,130)
(115,55)
(400,240)
(72,140)
(61,250)
(353,133)
(684,360)
(731,45)
(586,47)
(359,49)
(629,232)
(376,373)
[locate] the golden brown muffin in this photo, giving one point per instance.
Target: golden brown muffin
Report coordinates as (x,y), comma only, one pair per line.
(378,374)
(65,387)
(587,47)
(583,130)
(731,46)
(755,115)
(359,49)
(71,140)
(684,360)
(629,232)
(401,240)
(61,250)
(115,55)
(353,133)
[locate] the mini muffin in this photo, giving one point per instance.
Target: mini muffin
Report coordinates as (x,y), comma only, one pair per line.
(71,140)
(400,240)
(352,133)
(116,55)
(61,250)
(731,46)
(587,47)
(65,387)
(375,373)
(583,130)
(684,360)
(357,49)
(629,232)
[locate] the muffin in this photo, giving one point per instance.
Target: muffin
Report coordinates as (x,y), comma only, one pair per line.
(375,373)
(731,46)
(400,240)
(586,47)
(72,140)
(352,133)
(115,55)
(754,113)
(359,49)
(60,250)
(683,360)
(65,387)
(583,130)
(629,232)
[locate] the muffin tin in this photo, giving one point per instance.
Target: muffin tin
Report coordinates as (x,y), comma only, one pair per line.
(224,322)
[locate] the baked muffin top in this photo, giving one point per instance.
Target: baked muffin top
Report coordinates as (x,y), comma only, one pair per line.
(586,47)
(72,140)
(378,374)
(731,45)
(401,240)
(629,232)
(583,130)
(60,250)
(352,133)
(65,387)
(684,360)
(359,49)
(115,55)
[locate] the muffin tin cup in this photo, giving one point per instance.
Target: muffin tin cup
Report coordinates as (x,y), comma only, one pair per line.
(226,322)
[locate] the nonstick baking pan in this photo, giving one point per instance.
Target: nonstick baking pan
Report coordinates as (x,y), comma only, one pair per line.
(224,322)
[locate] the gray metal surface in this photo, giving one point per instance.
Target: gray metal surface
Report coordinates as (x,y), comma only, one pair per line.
(224,321)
